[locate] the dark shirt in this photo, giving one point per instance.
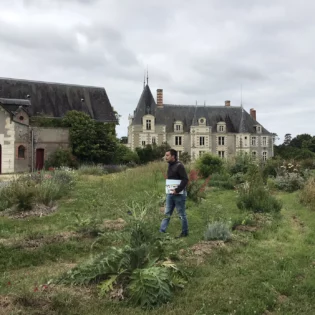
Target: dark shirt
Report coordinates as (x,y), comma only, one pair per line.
(176,170)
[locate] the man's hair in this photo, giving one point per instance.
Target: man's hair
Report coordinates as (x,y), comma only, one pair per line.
(173,153)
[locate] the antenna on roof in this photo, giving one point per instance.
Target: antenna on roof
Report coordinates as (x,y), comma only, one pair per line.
(144,80)
(241,95)
(147,75)
(205,103)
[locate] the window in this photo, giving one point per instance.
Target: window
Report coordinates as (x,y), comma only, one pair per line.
(178,140)
(153,140)
(177,127)
(221,141)
(245,141)
(264,156)
(201,153)
(264,141)
(148,124)
(143,143)
(254,141)
(254,155)
(221,154)
(21,152)
(221,128)
(201,140)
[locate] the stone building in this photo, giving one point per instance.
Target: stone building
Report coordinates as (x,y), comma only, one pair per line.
(25,147)
(223,130)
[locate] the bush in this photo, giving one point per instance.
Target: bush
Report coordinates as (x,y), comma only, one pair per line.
(289,182)
(196,186)
(240,164)
(185,158)
(223,180)
(217,231)
(307,195)
(124,155)
(109,169)
(61,157)
(20,192)
(254,196)
(86,169)
(208,164)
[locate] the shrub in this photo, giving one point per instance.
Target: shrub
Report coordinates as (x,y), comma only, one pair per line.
(185,158)
(61,157)
(223,180)
(240,164)
(307,194)
(208,164)
(217,231)
(308,163)
(196,186)
(289,182)
(109,169)
(20,192)
(86,169)
(254,196)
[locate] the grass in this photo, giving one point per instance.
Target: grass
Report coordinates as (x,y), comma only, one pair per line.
(268,270)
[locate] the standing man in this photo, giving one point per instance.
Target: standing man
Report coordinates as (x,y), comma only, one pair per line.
(177,197)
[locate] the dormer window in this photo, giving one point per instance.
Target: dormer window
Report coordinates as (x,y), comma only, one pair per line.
(148,123)
(221,126)
(178,126)
(257,128)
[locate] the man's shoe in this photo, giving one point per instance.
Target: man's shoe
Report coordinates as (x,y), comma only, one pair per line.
(182,235)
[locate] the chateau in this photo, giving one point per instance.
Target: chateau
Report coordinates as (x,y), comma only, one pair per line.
(223,130)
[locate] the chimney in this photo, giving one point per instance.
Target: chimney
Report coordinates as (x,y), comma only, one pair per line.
(253,113)
(159,98)
(227,103)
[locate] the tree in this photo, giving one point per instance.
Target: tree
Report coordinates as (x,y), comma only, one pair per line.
(298,141)
(91,141)
(287,139)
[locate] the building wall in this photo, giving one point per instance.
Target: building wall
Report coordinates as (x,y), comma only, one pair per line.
(22,138)
(7,135)
(190,142)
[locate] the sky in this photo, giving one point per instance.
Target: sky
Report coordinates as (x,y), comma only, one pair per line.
(258,53)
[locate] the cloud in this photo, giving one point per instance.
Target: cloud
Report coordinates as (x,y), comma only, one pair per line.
(203,52)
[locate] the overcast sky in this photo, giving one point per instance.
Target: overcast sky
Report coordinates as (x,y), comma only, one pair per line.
(196,51)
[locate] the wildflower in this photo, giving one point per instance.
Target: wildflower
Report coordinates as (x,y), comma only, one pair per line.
(35,289)
(9,283)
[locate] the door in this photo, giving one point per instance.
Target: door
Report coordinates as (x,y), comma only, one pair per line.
(40,159)
(0,159)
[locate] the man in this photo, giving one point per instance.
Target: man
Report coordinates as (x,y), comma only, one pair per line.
(177,197)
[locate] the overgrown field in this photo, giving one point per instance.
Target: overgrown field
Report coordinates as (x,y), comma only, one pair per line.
(100,244)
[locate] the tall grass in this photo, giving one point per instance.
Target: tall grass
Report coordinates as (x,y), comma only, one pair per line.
(307,194)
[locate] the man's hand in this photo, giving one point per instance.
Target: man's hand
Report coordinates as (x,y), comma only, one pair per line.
(173,192)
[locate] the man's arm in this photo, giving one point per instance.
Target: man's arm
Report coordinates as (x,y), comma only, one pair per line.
(183,177)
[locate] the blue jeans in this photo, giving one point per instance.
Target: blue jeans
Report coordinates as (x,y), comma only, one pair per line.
(178,202)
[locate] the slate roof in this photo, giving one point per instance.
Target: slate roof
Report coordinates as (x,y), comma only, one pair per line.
(12,105)
(56,99)
(236,118)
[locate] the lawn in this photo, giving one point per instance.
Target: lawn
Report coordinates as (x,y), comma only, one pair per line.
(268,270)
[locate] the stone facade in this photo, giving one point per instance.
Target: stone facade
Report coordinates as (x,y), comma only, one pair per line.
(222,130)
(20,142)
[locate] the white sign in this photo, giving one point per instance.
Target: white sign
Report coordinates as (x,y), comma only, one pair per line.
(172,184)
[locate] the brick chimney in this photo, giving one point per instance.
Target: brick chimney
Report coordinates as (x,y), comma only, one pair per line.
(253,113)
(159,98)
(227,103)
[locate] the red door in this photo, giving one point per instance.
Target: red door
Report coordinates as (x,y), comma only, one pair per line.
(0,158)
(39,159)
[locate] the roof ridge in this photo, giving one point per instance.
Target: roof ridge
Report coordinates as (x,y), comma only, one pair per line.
(202,106)
(56,83)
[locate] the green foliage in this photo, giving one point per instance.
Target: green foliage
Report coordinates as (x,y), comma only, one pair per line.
(217,231)
(41,121)
(208,164)
(42,187)
(86,226)
(140,266)
(240,164)
(61,157)
(124,155)
(152,152)
(91,141)
(307,194)
(289,182)
(222,180)
(91,169)
(254,196)
(185,158)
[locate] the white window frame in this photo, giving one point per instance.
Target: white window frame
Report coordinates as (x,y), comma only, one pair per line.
(148,124)
(264,155)
(254,141)
(264,141)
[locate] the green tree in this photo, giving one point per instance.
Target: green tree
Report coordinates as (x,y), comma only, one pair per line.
(298,141)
